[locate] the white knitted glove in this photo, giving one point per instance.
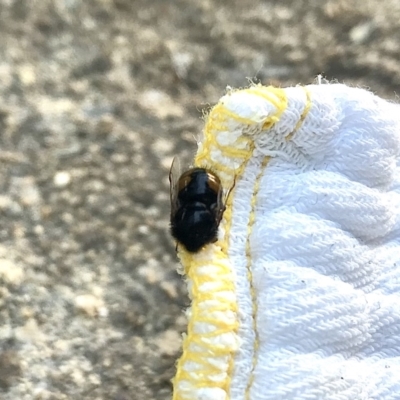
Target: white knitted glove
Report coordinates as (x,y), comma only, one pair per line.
(300,296)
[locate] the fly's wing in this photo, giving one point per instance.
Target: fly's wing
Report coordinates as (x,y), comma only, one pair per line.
(174,175)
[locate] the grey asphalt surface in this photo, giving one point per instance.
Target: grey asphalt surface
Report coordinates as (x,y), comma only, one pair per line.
(96,98)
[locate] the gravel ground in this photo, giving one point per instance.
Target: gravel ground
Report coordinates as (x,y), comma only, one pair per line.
(96,97)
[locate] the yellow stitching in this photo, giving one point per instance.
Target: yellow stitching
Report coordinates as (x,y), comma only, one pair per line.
(303,115)
(212,283)
(250,273)
(206,370)
(273,95)
(276,97)
(223,110)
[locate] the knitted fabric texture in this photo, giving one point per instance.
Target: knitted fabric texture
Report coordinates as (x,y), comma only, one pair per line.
(300,296)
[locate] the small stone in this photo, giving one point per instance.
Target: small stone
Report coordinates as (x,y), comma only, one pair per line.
(27,74)
(143,229)
(105,125)
(169,342)
(27,190)
(182,61)
(90,305)
(39,230)
(162,146)
(5,202)
(160,104)
(10,272)
(170,289)
(30,332)
(103,312)
(361,33)
(62,179)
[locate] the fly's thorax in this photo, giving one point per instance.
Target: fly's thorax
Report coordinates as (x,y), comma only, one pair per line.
(199,185)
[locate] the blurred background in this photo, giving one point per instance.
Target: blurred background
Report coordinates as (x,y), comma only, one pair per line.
(96,98)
